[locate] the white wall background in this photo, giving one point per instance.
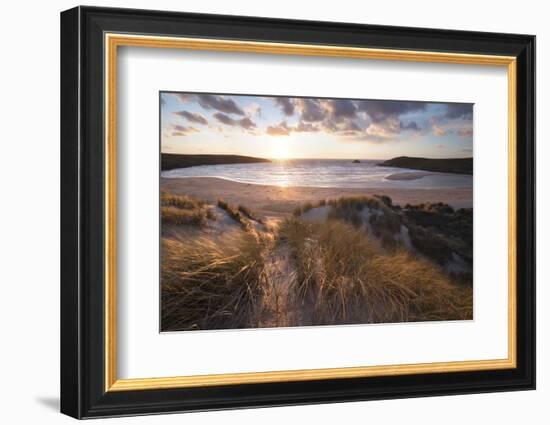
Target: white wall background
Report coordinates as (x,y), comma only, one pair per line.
(29,224)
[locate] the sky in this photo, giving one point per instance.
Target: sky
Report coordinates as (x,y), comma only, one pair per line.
(308,127)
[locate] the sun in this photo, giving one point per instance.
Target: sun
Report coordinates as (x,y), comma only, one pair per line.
(281,150)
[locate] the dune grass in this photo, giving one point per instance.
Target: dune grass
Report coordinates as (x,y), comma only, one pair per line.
(168,199)
(349,269)
(248,213)
(436,230)
(308,206)
(234,213)
(345,277)
(212,283)
(173,215)
(184,210)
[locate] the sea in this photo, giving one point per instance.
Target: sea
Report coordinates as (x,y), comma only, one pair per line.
(344,173)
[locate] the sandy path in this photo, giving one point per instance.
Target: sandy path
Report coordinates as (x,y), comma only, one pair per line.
(275,201)
(278,310)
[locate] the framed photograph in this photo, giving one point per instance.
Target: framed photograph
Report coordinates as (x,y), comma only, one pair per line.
(261,212)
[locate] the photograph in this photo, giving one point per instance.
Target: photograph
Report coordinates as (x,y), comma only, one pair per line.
(284,211)
(268,211)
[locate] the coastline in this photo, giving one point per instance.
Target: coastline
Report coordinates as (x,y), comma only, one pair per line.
(278,201)
(171,161)
(440,165)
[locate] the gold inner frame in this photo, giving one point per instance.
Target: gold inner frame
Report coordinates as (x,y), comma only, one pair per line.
(113,41)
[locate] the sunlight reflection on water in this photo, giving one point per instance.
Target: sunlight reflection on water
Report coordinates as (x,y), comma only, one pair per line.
(321,173)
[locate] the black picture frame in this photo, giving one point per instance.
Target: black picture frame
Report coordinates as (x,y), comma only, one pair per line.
(83,392)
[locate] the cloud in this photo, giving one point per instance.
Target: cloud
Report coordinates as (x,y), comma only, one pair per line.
(361,120)
(184,97)
(192,117)
(382,119)
(459,111)
(245,123)
(286,104)
(303,127)
(465,132)
(450,127)
(310,110)
(412,126)
(340,108)
(388,129)
(374,134)
(333,115)
(219,103)
(354,120)
(381,110)
(225,119)
(349,125)
(438,131)
(253,110)
(456,119)
(281,129)
(336,126)
(180,130)
(212,101)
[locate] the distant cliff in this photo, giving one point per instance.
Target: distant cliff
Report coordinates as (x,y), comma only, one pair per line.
(169,161)
(447,165)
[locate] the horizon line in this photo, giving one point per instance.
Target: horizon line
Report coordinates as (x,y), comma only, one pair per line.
(333,158)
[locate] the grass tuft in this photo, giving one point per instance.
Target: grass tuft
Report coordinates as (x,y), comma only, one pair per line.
(184,210)
(248,213)
(234,213)
(342,276)
(383,220)
(209,283)
(308,206)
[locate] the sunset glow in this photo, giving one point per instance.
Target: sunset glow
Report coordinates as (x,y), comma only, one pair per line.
(281,150)
(293,127)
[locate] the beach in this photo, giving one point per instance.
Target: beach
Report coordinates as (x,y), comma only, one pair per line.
(242,255)
(277,201)
(313,242)
(282,212)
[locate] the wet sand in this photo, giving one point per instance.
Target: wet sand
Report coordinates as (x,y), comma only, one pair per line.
(413,175)
(276,201)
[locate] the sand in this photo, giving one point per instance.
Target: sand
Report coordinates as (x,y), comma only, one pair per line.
(412,175)
(276,202)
